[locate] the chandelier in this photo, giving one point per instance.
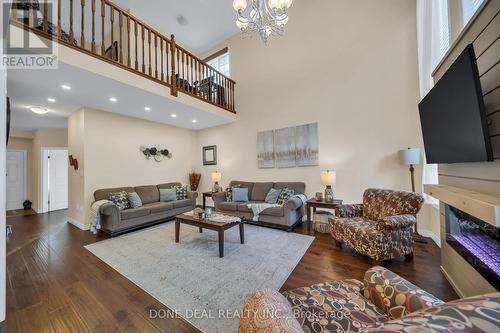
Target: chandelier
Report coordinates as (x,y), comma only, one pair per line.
(265,17)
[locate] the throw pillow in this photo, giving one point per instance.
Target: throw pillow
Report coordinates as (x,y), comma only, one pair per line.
(284,196)
(240,194)
(168,194)
(229,193)
(134,200)
(181,192)
(120,199)
(272,196)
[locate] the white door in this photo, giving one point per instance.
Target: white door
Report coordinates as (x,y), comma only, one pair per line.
(56,179)
(16,179)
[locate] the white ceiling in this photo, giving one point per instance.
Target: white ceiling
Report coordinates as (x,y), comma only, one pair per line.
(32,88)
(209,22)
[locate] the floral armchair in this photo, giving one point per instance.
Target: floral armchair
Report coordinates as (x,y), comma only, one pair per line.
(383,302)
(380,228)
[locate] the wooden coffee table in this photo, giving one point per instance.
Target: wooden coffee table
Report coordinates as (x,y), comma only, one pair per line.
(205,224)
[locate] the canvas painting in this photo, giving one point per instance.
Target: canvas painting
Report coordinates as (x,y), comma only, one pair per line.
(284,147)
(307,144)
(265,149)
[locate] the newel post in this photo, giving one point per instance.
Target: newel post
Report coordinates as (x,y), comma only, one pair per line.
(173,86)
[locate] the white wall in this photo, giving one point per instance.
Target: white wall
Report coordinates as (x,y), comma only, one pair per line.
(76,178)
(351,66)
(107,148)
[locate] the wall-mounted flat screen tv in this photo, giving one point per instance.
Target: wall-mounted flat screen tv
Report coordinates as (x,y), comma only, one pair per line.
(452,115)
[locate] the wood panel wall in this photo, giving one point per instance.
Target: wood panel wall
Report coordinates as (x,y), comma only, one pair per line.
(484,33)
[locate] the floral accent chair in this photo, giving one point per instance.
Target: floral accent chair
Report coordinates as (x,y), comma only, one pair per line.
(380,228)
(396,296)
(383,303)
(472,314)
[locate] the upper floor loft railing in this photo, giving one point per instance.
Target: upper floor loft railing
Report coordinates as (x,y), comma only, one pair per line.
(102,29)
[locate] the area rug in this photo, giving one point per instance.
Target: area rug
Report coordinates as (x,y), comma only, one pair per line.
(191,280)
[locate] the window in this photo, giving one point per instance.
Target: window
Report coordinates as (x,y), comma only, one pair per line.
(221,63)
(433,31)
(441,39)
(469,8)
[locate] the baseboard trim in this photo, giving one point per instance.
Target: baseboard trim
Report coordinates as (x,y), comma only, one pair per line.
(77,224)
(452,282)
(431,235)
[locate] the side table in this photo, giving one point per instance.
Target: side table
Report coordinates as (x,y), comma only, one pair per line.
(313,204)
(205,195)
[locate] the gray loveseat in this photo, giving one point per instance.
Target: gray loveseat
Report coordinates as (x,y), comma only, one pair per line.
(284,217)
(115,222)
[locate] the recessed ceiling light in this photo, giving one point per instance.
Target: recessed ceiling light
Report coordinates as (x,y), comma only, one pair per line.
(38,110)
(113,99)
(66,87)
(194,121)
(147,108)
(173,115)
(52,100)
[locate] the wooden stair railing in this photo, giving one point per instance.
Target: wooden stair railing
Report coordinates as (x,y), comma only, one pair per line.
(125,41)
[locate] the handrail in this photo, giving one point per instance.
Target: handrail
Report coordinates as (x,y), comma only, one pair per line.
(120,38)
(209,66)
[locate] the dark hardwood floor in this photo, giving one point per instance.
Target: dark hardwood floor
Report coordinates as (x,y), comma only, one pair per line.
(55,285)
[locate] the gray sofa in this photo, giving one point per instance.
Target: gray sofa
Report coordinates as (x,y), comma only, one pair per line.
(115,222)
(285,217)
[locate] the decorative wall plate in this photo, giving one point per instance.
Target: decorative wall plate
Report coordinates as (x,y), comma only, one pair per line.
(157,153)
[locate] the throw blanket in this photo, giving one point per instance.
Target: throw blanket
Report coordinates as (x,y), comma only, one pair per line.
(257,208)
(95,217)
(301,197)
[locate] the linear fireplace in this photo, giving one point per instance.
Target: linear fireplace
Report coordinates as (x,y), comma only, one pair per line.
(476,241)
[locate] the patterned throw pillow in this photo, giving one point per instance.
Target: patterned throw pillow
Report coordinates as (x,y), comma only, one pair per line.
(120,199)
(181,192)
(285,195)
(229,193)
(272,196)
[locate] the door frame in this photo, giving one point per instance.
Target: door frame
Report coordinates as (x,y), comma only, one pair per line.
(25,171)
(44,207)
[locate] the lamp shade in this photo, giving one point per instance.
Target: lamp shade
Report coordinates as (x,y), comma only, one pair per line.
(239,5)
(216,176)
(274,4)
(410,156)
(242,23)
(328,178)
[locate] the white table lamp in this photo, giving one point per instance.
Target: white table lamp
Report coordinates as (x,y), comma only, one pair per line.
(411,157)
(328,178)
(216,177)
